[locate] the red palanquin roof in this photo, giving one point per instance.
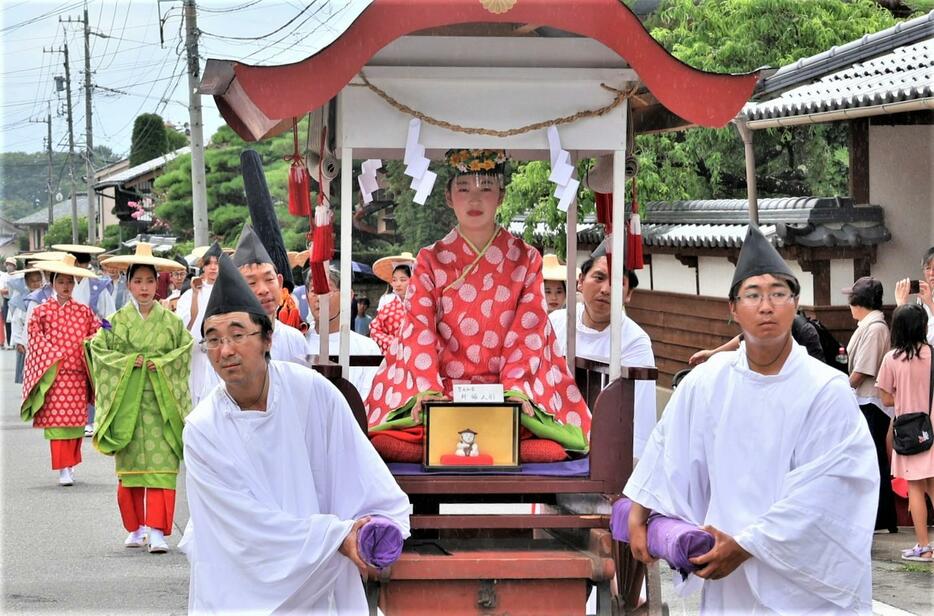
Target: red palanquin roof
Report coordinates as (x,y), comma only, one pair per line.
(258,101)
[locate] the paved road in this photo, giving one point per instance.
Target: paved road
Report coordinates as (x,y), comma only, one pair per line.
(62,548)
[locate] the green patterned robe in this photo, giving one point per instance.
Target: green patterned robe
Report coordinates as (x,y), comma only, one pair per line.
(140,414)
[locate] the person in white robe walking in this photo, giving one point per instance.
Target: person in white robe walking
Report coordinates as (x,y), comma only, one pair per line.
(280,477)
(259,271)
(190,309)
(593,339)
(766,448)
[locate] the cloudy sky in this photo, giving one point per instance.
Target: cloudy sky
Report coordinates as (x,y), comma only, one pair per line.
(132,72)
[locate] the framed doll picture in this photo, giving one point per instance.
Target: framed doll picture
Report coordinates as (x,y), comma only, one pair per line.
(470,437)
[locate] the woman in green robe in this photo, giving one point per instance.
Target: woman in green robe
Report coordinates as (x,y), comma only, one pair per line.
(140,364)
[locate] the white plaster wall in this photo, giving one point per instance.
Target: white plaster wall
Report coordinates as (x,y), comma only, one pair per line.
(670,275)
(716,274)
(901,159)
(841,276)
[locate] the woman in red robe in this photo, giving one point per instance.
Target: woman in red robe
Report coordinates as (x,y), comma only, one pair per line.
(397,271)
(56,383)
(475,312)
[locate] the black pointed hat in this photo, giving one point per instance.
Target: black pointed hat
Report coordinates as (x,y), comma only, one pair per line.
(758,257)
(214,251)
(231,293)
(250,249)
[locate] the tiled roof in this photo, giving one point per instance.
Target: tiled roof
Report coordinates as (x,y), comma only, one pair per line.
(721,223)
(62,209)
(841,57)
(142,169)
(900,75)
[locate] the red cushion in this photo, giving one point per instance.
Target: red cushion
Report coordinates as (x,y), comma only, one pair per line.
(541,450)
(480,460)
(392,449)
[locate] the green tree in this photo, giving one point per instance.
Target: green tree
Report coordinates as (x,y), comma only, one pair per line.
(175,139)
(149,139)
(60,231)
(737,36)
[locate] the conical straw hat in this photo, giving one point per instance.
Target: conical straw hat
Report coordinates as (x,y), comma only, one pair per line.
(65,266)
(81,248)
(143,256)
(384,267)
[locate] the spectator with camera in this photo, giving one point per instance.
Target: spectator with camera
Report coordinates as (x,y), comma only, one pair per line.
(865,351)
(905,382)
(922,289)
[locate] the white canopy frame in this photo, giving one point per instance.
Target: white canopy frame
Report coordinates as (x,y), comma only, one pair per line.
(521,81)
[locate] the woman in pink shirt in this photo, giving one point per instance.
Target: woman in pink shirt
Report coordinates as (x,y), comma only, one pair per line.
(904,379)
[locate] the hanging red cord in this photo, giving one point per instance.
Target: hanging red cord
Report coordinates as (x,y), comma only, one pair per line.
(299,180)
(322,230)
(634,257)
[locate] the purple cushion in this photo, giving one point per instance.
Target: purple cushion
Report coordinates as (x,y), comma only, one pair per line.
(380,542)
(674,541)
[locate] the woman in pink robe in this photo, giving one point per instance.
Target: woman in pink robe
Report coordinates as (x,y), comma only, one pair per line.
(476,313)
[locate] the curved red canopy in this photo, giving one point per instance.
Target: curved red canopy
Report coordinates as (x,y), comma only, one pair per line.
(245,93)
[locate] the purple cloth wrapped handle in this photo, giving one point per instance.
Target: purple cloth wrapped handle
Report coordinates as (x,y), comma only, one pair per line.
(380,542)
(674,541)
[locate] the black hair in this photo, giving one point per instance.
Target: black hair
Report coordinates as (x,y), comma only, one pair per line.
(265,327)
(135,266)
(82,257)
(909,330)
(365,301)
(927,256)
(792,283)
(870,299)
(405,267)
(631,276)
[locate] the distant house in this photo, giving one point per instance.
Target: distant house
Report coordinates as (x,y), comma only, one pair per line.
(122,184)
(36,224)
(9,237)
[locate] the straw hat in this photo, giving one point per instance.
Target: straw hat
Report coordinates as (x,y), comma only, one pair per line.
(298,259)
(65,266)
(143,256)
(198,253)
(553,269)
(45,256)
(384,267)
(78,248)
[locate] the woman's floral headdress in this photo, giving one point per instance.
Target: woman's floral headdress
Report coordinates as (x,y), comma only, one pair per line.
(476,161)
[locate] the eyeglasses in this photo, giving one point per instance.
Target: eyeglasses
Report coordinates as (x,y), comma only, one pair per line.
(214,342)
(776,298)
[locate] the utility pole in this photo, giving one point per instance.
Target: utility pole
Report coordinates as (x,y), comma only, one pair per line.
(71,145)
(48,148)
(198,188)
(88,127)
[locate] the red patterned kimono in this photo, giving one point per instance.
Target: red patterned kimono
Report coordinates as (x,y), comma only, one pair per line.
(478,316)
(56,382)
(388,322)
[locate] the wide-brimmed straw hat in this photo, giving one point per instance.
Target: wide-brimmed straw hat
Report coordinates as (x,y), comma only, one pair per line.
(384,267)
(143,256)
(65,266)
(198,253)
(298,259)
(553,269)
(44,256)
(78,249)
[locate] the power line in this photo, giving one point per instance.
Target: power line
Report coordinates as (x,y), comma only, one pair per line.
(234,9)
(62,9)
(256,38)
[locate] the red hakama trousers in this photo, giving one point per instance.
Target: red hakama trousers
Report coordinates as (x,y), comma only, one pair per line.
(152,507)
(65,452)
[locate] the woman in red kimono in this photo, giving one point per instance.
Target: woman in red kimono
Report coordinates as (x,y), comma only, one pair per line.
(56,383)
(475,312)
(397,271)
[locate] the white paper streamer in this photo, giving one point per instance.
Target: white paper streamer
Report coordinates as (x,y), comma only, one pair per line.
(367,178)
(561,171)
(416,164)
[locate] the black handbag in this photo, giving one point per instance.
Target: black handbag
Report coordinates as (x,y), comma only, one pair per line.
(912,431)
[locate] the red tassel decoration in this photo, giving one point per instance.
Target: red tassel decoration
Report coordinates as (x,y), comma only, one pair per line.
(319,279)
(299,180)
(634,257)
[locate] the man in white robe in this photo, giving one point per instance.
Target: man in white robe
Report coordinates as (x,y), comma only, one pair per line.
(190,308)
(259,271)
(360,376)
(593,339)
(279,478)
(766,448)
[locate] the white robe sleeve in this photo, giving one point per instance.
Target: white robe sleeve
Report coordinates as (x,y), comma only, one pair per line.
(816,538)
(256,553)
